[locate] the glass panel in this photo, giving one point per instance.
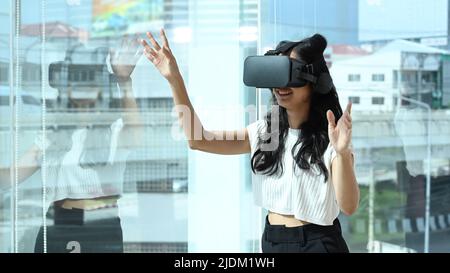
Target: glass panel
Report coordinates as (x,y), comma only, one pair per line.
(102,165)
(6,230)
(29,57)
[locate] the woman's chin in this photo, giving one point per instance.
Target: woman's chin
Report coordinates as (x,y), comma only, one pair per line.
(283,103)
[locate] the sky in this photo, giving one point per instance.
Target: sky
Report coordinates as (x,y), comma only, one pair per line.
(391,19)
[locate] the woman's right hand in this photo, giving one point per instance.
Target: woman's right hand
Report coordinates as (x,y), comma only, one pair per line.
(161,57)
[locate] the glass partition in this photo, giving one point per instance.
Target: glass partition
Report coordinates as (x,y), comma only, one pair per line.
(86,123)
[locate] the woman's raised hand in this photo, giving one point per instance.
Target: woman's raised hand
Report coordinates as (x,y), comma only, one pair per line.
(340,134)
(161,57)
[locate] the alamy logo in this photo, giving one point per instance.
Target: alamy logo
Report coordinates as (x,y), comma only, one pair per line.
(191,124)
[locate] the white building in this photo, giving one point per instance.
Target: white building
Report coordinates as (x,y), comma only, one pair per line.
(372,82)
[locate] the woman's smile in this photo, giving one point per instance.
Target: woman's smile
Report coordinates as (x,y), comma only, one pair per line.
(283,93)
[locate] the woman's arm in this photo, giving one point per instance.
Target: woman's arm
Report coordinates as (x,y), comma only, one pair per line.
(218,142)
(344,182)
(342,171)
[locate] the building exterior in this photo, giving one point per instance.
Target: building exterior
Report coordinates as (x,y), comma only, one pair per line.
(373,82)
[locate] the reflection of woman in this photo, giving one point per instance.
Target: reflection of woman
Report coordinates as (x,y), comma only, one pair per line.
(85,169)
(309,177)
(411,171)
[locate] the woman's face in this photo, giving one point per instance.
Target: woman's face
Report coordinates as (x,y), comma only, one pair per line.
(292,97)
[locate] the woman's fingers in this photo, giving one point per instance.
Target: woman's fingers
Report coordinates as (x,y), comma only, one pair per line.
(150,56)
(164,39)
(344,124)
(153,41)
(348,124)
(331,119)
(349,108)
(149,52)
(145,44)
(347,116)
(148,48)
(152,52)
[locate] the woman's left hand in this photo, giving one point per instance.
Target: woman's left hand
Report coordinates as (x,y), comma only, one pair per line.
(340,134)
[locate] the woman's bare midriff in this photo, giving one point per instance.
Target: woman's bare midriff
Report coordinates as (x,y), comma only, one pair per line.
(286,220)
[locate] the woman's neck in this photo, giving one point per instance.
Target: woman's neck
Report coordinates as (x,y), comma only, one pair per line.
(297,116)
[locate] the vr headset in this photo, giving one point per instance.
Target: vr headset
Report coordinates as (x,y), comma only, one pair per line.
(274,71)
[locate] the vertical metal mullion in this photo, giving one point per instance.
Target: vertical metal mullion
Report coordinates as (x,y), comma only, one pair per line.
(43,121)
(11,125)
(13,103)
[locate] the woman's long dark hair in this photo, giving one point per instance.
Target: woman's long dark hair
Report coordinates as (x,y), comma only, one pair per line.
(313,138)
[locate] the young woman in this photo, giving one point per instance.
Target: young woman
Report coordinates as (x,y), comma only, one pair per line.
(309,177)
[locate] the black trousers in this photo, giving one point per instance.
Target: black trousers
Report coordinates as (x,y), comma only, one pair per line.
(309,238)
(75,231)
